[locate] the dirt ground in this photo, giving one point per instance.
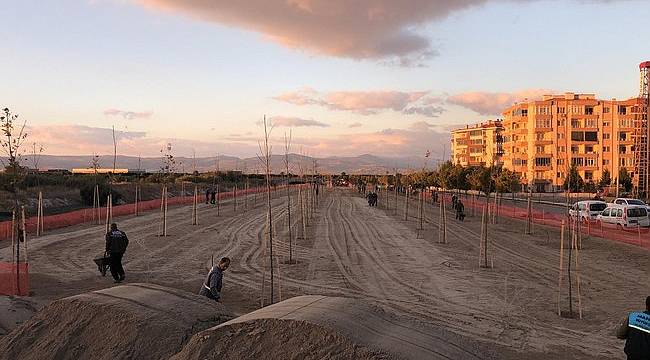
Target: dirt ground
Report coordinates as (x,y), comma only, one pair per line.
(353,250)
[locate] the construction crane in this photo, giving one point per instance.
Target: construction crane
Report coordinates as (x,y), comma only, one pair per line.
(642,134)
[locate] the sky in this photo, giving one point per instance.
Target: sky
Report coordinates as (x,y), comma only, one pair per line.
(346,78)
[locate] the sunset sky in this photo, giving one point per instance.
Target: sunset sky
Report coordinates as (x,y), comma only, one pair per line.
(348,77)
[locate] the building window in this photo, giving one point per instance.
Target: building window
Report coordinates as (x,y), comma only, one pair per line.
(606,110)
(591,162)
(605,162)
(539,174)
(539,149)
(589,110)
(606,149)
(606,136)
(589,175)
(575,123)
(475,133)
(622,136)
(605,123)
(577,135)
(577,161)
(560,161)
(591,123)
(621,149)
(560,135)
(561,122)
(591,136)
(574,149)
(561,110)
(622,110)
(589,149)
(542,161)
(561,149)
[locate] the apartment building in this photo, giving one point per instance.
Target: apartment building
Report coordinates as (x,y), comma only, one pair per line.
(478,144)
(542,139)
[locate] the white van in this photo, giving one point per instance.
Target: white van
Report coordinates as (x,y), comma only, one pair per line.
(587,210)
(625,216)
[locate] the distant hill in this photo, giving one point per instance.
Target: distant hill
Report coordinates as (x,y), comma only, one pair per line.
(362,164)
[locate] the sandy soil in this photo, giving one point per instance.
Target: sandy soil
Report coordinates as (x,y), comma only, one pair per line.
(356,251)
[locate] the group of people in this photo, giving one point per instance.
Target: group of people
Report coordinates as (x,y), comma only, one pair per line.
(372,198)
(458,205)
(210,196)
(117,243)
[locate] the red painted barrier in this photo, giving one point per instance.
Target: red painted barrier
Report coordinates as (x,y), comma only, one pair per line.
(86,215)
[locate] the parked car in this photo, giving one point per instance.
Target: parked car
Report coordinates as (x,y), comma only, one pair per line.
(587,210)
(625,216)
(630,201)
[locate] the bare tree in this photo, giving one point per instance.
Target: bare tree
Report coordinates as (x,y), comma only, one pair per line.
(287,146)
(265,157)
(166,170)
(12,139)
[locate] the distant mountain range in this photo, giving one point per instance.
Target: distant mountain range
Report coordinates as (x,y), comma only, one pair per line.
(362,164)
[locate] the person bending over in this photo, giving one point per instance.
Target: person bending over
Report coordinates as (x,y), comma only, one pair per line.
(211,287)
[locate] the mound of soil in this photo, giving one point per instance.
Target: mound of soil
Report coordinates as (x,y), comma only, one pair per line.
(274,339)
(134,321)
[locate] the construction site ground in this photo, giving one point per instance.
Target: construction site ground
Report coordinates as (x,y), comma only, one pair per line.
(373,255)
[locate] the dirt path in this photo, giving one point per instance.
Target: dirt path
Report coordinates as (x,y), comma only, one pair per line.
(356,251)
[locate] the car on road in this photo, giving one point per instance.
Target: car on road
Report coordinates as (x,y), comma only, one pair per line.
(624,216)
(587,210)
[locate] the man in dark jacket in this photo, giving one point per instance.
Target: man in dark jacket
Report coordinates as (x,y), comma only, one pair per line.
(636,330)
(116,243)
(212,284)
(460,210)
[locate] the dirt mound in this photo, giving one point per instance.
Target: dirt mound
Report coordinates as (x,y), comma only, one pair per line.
(135,321)
(274,339)
(321,327)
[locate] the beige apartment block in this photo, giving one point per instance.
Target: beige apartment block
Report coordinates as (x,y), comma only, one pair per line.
(541,139)
(478,144)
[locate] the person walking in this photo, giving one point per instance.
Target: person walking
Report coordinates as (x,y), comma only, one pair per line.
(116,244)
(207,195)
(212,284)
(460,210)
(635,329)
(213,196)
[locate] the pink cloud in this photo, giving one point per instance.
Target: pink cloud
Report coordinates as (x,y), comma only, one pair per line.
(83,140)
(295,122)
(489,103)
(360,29)
(414,140)
(388,142)
(128,114)
(364,102)
(355,125)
